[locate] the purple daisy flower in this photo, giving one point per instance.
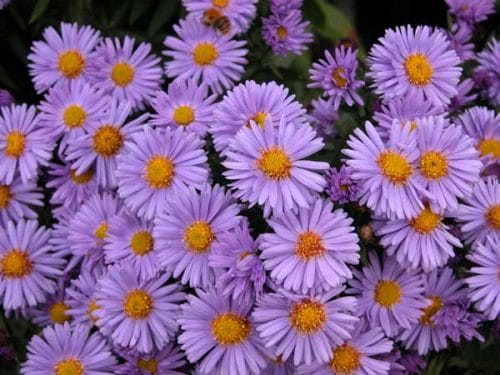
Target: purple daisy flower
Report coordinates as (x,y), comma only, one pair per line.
(239,12)
(62,57)
(471,11)
(359,355)
(422,241)
(53,311)
(185,104)
(155,164)
(125,71)
(286,33)
(484,282)
(187,229)
(222,332)
(337,76)
(310,250)
(479,215)
(417,62)
(16,200)
(441,289)
(130,241)
(267,166)
(105,140)
(323,117)
(163,362)
(61,349)
(6,98)
(389,296)
(459,37)
(239,272)
(385,173)
(140,315)
(28,267)
(200,53)
(276,365)
(24,145)
(69,108)
(252,102)
(284,6)
(341,188)
(490,70)
(306,327)
(413,363)
(464,96)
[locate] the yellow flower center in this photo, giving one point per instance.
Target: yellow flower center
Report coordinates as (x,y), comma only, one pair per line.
(230,329)
(57,312)
(138,304)
(71,64)
(100,233)
(81,179)
(395,167)
(431,310)
(74,116)
(16,142)
(220,3)
(309,245)
(307,316)
(337,76)
(387,293)
(5,196)
(259,119)
(346,359)
(493,216)
(282,32)
(159,172)
(426,222)
(15,264)
(275,163)
(150,365)
(93,306)
(433,165)
(418,69)
(107,140)
(122,73)
(70,366)
(183,115)
(198,237)
(205,53)
(141,242)
(490,147)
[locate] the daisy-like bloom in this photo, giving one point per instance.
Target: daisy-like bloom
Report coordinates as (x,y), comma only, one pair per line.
(388,295)
(471,11)
(185,104)
(165,362)
(416,61)
(464,96)
(459,37)
(484,282)
(311,249)
(88,227)
(69,108)
(16,200)
(422,241)
(62,57)
(323,117)
(341,188)
(187,228)
(448,165)
(305,326)
(239,272)
(483,125)
(441,289)
(239,12)
(28,267)
(252,102)
(54,311)
(131,242)
(490,69)
(24,145)
(337,76)
(359,355)
(62,350)
(413,364)
(157,163)
(222,332)
(105,140)
(134,314)
(284,6)
(286,33)
(71,190)
(6,98)
(386,172)
(125,71)
(267,166)
(201,53)
(479,215)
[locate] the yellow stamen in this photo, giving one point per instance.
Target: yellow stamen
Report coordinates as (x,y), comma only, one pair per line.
(71,64)
(309,245)
(93,306)
(220,3)
(198,237)
(107,140)
(230,329)
(15,144)
(491,147)
(57,312)
(81,179)
(205,53)
(259,119)
(346,359)
(141,242)
(307,316)
(493,216)
(183,115)
(426,222)
(337,76)
(275,163)
(15,264)
(5,196)
(395,167)
(431,310)
(74,116)
(433,165)
(282,32)
(122,74)
(100,233)
(387,293)
(159,172)
(149,365)
(138,304)
(418,69)
(69,366)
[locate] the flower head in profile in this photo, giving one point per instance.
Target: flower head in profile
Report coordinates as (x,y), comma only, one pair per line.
(489,69)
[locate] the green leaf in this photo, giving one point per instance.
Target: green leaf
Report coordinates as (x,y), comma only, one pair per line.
(138,9)
(38,10)
(163,12)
